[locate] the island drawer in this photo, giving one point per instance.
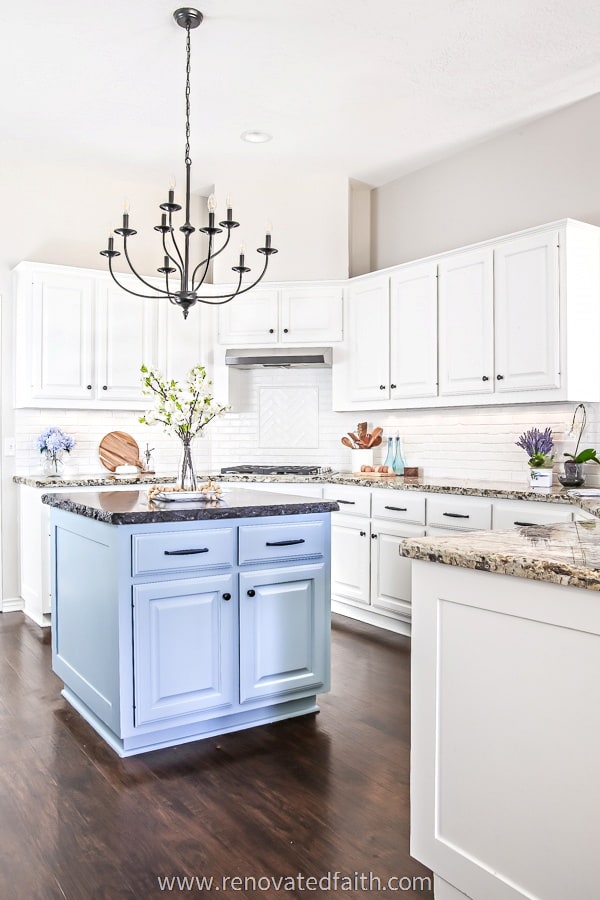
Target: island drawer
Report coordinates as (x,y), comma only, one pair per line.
(258,543)
(401,506)
(473,513)
(180,550)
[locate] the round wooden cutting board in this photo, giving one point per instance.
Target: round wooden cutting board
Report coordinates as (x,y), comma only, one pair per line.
(117,448)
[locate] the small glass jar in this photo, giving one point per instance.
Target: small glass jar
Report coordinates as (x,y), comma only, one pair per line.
(389,459)
(398,464)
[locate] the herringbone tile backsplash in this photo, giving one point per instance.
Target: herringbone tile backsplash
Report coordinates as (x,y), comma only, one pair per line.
(288,418)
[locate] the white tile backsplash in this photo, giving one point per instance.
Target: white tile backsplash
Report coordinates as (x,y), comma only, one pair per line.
(285,416)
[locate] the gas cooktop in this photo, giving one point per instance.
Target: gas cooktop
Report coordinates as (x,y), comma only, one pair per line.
(283,469)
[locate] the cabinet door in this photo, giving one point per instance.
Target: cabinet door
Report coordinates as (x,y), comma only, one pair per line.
(59,346)
(180,340)
(390,572)
(527,313)
(284,632)
(184,644)
(126,333)
(252,318)
(350,559)
(369,325)
(466,323)
(413,332)
(311,315)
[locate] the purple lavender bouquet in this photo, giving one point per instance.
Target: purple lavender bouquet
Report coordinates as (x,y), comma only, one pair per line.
(538,446)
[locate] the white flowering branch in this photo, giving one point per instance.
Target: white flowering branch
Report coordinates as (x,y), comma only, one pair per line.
(183,409)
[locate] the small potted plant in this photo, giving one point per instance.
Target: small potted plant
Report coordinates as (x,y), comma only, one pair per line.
(573,465)
(538,445)
(52,443)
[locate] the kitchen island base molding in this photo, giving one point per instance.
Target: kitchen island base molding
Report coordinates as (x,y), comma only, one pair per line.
(199,731)
(505,710)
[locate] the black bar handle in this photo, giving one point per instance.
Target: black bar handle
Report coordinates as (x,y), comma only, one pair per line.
(397,508)
(186,552)
(285,543)
(347,502)
(525,523)
(456,515)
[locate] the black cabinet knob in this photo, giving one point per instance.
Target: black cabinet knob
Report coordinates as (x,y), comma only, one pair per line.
(251,592)
(286,330)
(89,387)
(393,386)
(499,377)
(484,378)
(382,387)
(271,330)
(374,536)
(104,387)
(362,533)
(226,596)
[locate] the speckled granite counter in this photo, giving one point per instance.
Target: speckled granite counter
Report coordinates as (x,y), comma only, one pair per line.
(561,554)
(100,480)
(134,508)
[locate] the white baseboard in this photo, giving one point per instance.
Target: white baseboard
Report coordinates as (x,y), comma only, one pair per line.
(12,604)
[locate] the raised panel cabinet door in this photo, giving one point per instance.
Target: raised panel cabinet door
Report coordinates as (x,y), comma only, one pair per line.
(466,323)
(369,326)
(413,332)
(252,318)
(390,572)
(180,341)
(60,340)
(311,314)
(527,313)
(350,558)
(284,632)
(184,641)
(126,334)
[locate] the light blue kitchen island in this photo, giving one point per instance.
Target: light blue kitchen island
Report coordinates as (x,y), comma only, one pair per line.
(177,621)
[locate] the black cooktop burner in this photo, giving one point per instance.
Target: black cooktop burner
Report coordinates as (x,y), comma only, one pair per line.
(282,469)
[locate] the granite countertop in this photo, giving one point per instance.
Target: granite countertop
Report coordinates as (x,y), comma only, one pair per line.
(102,479)
(134,508)
(560,554)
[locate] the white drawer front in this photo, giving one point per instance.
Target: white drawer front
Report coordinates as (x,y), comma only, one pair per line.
(169,551)
(473,513)
(354,501)
(510,514)
(273,542)
(401,506)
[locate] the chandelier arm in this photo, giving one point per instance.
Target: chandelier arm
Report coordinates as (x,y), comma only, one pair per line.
(238,291)
(216,302)
(172,258)
(134,293)
(139,277)
(172,233)
(207,262)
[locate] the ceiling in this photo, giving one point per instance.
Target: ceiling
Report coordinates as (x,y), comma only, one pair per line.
(372,89)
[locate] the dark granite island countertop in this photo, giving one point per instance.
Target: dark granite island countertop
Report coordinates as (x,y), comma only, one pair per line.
(134,507)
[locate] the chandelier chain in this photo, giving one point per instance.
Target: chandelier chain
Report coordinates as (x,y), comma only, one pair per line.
(188,160)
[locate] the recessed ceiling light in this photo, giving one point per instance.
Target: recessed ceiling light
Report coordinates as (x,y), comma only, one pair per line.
(256,137)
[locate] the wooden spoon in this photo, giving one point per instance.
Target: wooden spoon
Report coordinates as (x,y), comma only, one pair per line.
(347,443)
(376,442)
(354,438)
(376,433)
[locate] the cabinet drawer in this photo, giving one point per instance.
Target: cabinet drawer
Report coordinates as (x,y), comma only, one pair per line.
(272,542)
(472,513)
(354,501)
(511,515)
(401,506)
(168,551)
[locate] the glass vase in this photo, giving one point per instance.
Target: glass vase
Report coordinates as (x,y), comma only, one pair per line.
(53,465)
(389,459)
(186,477)
(398,458)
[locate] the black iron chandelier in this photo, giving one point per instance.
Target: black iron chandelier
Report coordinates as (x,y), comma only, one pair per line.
(176,260)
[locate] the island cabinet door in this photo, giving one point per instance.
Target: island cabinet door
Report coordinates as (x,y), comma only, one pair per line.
(184,635)
(284,632)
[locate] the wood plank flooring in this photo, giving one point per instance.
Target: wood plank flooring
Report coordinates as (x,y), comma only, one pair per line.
(324,793)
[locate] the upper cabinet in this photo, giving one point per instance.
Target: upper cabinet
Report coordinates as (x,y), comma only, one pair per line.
(518,320)
(81,340)
(307,314)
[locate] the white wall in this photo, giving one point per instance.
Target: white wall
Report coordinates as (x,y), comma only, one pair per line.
(545,171)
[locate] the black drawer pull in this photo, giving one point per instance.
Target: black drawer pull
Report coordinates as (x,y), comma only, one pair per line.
(456,515)
(347,502)
(226,596)
(397,508)
(285,543)
(251,592)
(186,552)
(525,523)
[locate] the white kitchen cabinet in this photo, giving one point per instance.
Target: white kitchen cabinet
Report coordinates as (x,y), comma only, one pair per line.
(413,331)
(306,314)
(350,559)
(390,572)
(466,323)
(512,514)
(181,342)
(369,339)
(80,339)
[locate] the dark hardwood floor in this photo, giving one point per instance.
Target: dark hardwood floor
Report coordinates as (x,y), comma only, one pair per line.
(325,793)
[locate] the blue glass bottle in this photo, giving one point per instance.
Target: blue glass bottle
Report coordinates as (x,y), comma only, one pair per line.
(398,464)
(389,460)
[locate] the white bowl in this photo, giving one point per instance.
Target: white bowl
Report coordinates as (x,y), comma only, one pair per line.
(127,470)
